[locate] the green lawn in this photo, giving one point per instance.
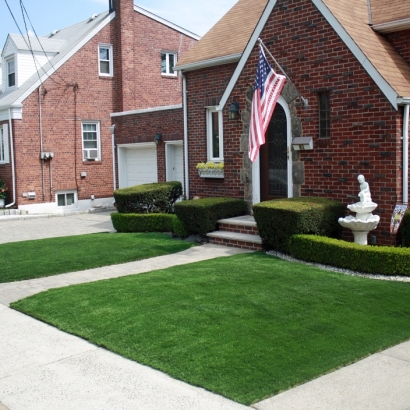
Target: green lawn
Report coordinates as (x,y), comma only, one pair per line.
(246,326)
(46,257)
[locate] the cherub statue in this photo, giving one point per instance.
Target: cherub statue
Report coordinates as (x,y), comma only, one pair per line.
(364,194)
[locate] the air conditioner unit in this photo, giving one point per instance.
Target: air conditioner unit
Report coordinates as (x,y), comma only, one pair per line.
(91,154)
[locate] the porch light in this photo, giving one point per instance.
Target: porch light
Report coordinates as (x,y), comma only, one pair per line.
(158,138)
(233,110)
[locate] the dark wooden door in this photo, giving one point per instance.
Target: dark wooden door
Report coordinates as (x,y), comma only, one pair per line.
(274,158)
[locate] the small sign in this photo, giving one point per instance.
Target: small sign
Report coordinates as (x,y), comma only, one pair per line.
(397,217)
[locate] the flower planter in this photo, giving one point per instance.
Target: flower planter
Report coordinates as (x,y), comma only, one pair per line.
(211,173)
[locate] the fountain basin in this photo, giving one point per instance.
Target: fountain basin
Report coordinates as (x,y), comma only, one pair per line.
(360,227)
(366,208)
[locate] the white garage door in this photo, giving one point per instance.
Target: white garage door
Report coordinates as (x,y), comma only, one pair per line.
(175,163)
(141,166)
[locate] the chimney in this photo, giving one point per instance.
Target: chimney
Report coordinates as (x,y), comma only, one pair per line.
(111,6)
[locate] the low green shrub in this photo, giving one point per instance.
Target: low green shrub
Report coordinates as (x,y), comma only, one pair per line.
(404,231)
(279,219)
(143,222)
(178,228)
(148,198)
(382,260)
(200,216)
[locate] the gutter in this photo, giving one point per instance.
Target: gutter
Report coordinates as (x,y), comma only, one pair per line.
(13,171)
(233,58)
(392,26)
(406,153)
(184,92)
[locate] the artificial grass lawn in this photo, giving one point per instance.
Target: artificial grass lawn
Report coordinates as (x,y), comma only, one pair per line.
(46,257)
(246,326)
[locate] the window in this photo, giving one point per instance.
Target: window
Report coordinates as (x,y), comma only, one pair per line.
(11,73)
(214,135)
(4,144)
(324,115)
(67,199)
(91,141)
(105,59)
(168,61)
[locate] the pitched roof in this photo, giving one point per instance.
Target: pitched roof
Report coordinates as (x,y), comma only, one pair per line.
(50,45)
(387,11)
(229,36)
(353,16)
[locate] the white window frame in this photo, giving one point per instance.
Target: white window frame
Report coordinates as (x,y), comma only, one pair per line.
(110,60)
(167,65)
(73,205)
(89,154)
(209,127)
(8,61)
(4,144)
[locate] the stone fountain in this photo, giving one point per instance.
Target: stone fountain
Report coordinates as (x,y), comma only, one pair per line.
(364,221)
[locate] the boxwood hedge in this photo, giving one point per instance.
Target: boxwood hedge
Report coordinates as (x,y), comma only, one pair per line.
(148,198)
(382,260)
(143,222)
(279,219)
(200,216)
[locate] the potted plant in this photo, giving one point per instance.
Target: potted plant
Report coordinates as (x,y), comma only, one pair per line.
(3,193)
(210,169)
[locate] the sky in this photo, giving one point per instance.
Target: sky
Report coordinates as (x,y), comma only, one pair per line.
(49,15)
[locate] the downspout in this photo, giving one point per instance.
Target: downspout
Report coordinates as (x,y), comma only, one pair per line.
(13,172)
(406,154)
(184,92)
(112,129)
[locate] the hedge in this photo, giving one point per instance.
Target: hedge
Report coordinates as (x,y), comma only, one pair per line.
(279,219)
(148,198)
(143,222)
(200,216)
(404,231)
(382,260)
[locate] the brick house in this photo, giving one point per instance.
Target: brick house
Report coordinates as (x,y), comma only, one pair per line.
(81,107)
(348,92)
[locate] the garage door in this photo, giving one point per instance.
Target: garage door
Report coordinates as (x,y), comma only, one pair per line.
(141,166)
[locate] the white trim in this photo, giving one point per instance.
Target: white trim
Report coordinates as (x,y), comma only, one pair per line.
(65,192)
(110,60)
(248,50)
(209,136)
(233,58)
(256,178)
(4,136)
(165,22)
(16,112)
(137,145)
(146,110)
(98,139)
(168,67)
(58,64)
(392,26)
(384,86)
(170,161)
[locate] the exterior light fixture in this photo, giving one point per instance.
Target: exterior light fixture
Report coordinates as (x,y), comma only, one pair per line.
(233,111)
(158,138)
(302,143)
(112,129)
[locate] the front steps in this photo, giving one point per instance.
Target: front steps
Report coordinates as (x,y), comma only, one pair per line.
(238,232)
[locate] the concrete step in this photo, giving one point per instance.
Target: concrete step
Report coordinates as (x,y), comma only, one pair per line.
(236,240)
(242,224)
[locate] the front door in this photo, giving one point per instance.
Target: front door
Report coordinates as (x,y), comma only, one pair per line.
(274,158)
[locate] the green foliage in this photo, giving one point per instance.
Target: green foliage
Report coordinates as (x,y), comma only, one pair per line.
(148,198)
(200,216)
(279,219)
(246,326)
(143,222)
(370,259)
(178,228)
(404,231)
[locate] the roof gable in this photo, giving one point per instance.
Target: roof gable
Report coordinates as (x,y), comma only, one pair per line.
(383,11)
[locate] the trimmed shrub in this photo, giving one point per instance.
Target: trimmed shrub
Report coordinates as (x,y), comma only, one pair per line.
(404,231)
(148,198)
(200,216)
(382,260)
(178,228)
(279,219)
(143,222)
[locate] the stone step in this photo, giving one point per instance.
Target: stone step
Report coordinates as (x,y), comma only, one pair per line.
(242,224)
(236,240)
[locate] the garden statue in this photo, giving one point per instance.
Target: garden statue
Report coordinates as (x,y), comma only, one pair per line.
(364,221)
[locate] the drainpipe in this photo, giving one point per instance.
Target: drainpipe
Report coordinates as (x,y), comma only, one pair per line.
(13,172)
(406,154)
(112,129)
(184,92)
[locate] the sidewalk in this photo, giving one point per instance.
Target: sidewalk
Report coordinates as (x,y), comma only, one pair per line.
(43,368)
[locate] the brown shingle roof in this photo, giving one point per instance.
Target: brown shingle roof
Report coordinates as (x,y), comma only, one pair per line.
(353,16)
(384,11)
(228,36)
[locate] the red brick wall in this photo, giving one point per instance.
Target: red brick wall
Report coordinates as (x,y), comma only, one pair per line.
(76,93)
(401,42)
(365,128)
(138,128)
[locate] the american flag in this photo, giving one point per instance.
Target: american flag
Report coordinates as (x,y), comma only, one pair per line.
(268,86)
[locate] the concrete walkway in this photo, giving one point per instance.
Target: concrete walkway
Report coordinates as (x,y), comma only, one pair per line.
(43,368)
